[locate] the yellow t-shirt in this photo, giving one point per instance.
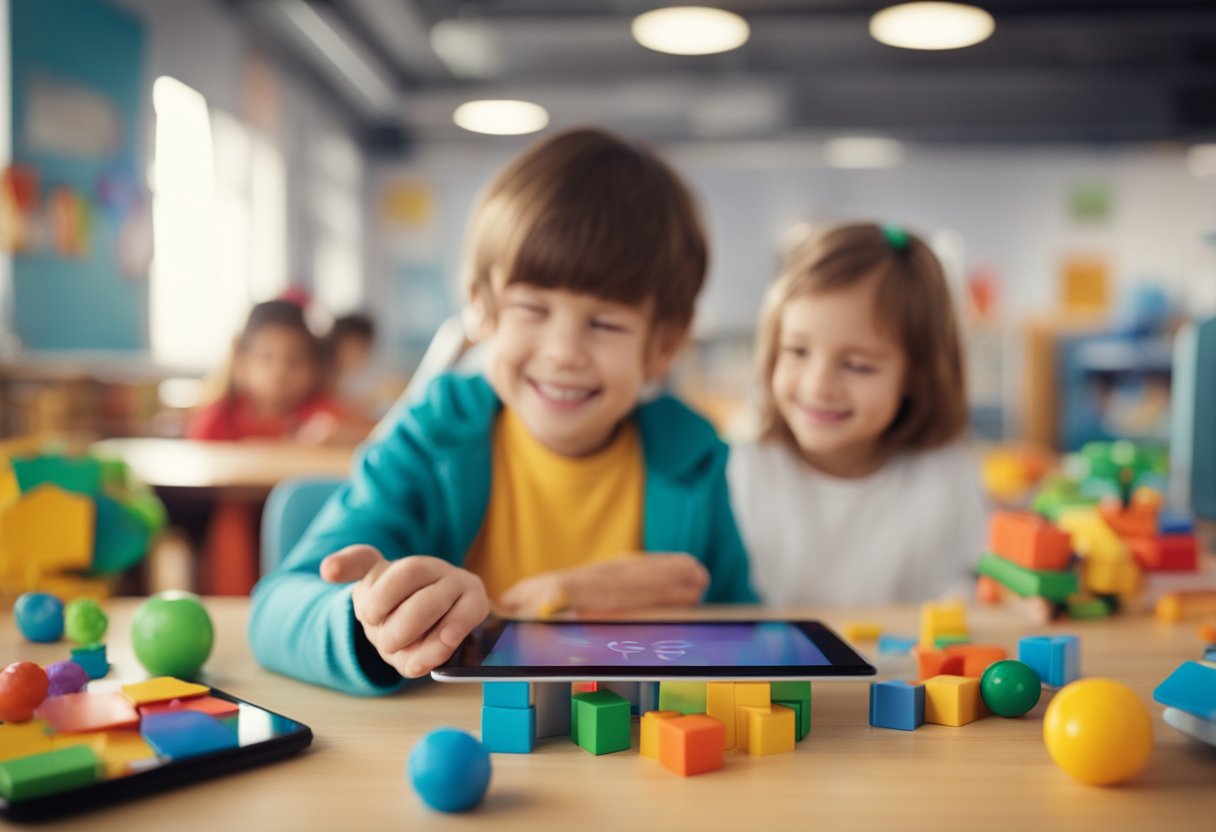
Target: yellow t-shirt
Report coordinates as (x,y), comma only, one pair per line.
(549,512)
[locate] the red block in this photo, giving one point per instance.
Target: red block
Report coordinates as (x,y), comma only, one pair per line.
(1166,553)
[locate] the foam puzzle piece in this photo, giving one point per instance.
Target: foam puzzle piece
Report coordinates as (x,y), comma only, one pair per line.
(212,705)
(1190,688)
(508,730)
(180,734)
(49,773)
(897,704)
(48,530)
(1057,659)
(75,713)
(80,475)
(23,739)
(162,688)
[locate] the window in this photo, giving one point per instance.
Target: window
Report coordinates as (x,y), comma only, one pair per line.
(335,203)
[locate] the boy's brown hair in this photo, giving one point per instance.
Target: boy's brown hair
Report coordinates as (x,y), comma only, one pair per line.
(913,304)
(594,213)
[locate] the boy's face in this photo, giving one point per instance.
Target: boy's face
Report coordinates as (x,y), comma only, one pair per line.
(839,379)
(275,370)
(571,365)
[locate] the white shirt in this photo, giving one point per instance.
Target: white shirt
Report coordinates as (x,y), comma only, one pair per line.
(911,531)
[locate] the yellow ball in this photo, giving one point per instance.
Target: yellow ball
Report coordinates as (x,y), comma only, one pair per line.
(1098,731)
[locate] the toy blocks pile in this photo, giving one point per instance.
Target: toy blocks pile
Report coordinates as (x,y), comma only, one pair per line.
(687,726)
(68,522)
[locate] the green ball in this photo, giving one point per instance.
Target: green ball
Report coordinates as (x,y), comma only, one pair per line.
(85,622)
(172,634)
(1010,688)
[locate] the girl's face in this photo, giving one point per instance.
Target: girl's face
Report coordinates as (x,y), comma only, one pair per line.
(276,369)
(838,379)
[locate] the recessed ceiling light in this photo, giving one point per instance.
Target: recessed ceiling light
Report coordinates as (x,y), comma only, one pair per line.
(1201,160)
(863,152)
(931,25)
(690,30)
(501,117)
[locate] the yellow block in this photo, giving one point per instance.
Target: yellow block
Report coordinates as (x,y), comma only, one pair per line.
(862,631)
(9,489)
(1111,577)
(121,749)
(162,689)
(47,530)
(939,618)
(1092,536)
(770,730)
(748,695)
(21,739)
(649,731)
(720,704)
(952,700)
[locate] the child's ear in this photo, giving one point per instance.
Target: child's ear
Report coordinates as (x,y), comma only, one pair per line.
(665,346)
(476,317)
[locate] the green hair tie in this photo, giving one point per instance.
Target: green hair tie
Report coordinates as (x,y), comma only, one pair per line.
(897,238)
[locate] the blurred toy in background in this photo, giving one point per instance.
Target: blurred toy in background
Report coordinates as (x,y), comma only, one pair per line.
(68,524)
(1010,471)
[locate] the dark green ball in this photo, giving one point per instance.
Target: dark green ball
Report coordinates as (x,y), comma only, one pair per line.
(1010,688)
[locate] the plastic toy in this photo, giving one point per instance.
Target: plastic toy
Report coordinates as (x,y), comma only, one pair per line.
(1098,731)
(23,687)
(171,634)
(450,770)
(1057,659)
(39,617)
(508,730)
(685,697)
(770,730)
(796,695)
(952,700)
(648,731)
(66,677)
(92,659)
(720,704)
(85,622)
(1029,541)
(600,722)
(976,657)
(749,695)
(1010,688)
(1191,688)
(897,705)
(691,744)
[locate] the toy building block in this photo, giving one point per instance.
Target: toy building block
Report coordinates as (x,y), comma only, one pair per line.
(648,731)
(1166,553)
(508,730)
(585,687)
(1137,519)
(178,734)
(121,538)
(23,739)
(749,695)
(1111,577)
(162,689)
(1174,606)
(1057,659)
(1083,607)
(720,704)
(895,645)
(976,657)
(862,631)
(1209,653)
(685,697)
(93,659)
(933,662)
(80,475)
(953,700)
(1029,541)
(1207,632)
(49,773)
(1191,688)
(48,530)
(1092,536)
(770,730)
(508,694)
(941,618)
(1052,585)
(896,704)
(691,744)
(1190,725)
(987,591)
(551,701)
(599,722)
(796,695)
(1175,523)
(944,640)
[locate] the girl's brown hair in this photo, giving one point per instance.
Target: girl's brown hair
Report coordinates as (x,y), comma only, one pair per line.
(282,314)
(913,303)
(594,213)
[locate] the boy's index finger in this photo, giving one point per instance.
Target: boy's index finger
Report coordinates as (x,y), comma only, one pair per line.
(388,584)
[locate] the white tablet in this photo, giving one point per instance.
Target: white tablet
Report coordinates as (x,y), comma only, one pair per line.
(652,650)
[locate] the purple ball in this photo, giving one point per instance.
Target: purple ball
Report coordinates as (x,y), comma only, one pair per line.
(66,677)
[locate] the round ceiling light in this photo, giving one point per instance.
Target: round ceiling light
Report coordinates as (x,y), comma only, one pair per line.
(501,117)
(931,25)
(690,30)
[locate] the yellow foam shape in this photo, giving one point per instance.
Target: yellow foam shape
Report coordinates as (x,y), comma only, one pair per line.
(162,689)
(749,695)
(720,704)
(121,749)
(48,530)
(952,700)
(770,730)
(21,739)
(649,731)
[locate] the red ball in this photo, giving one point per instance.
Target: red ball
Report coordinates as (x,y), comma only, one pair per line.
(23,686)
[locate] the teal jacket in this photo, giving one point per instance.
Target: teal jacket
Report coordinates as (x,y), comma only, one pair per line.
(424,489)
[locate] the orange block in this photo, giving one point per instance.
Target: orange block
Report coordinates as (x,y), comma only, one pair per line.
(1029,540)
(976,657)
(1136,520)
(691,744)
(931,662)
(988,591)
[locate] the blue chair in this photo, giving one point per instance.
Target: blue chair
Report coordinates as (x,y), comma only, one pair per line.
(290,507)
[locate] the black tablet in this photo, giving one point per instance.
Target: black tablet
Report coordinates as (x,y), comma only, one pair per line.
(652,650)
(189,744)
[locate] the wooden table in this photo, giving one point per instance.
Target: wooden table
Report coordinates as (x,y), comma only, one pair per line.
(992,774)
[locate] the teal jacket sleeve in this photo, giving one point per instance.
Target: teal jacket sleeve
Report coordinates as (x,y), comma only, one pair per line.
(725,556)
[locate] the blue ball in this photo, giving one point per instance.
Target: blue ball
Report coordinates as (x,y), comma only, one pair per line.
(450,770)
(39,617)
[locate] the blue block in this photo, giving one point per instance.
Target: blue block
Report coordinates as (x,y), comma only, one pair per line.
(92,659)
(1057,659)
(506,694)
(508,730)
(897,705)
(896,645)
(1190,688)
(1175,522)
(1209,653)
(178,734)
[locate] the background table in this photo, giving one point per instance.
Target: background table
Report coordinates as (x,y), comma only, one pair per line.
(992,774)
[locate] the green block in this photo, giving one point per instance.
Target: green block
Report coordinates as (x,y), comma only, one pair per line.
(599,722)
(51,773)
(802,716)
(1088,608)
(121,538)
(1043,583)
(685,697)
(78,475)
(946,639)
(113,473)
